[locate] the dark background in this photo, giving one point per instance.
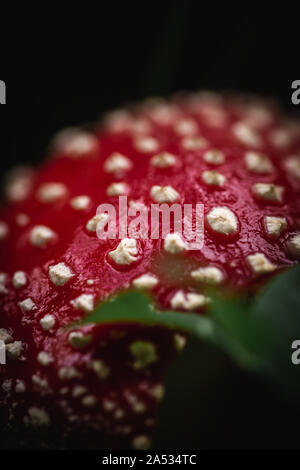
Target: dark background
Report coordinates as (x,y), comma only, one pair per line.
(65,74)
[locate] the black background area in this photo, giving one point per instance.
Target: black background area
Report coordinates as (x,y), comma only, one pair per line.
(65,72)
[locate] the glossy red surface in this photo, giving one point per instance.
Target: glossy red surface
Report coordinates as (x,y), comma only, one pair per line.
(87,256)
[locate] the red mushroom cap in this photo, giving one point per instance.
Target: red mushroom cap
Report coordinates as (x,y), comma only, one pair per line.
(239,157)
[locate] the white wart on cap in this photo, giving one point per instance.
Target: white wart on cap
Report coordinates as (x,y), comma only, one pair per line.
(126,252)
(213,178)
(19,279)
(146,144)
(173,243)
(293,246)
(163,160)
(80,203)
(258,163)
(163,194)
(214,157)
(208,275)
(117,163)
(146,281)
(268,191)
(51,192)
(189,301)
(60,274)
(117,189)
(222,220)
(260,264)
(275,225)
(41,235)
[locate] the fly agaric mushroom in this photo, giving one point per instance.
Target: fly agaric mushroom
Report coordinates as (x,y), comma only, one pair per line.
(238,157)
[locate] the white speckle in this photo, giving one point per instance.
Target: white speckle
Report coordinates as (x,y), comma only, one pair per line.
(78,390)
(126,252)
(90,282)
(141,442)
(293,246)
(3,230)
(5,336)
(258,116)
(37,417)
(80,203)
(208,275)
(293,166)
(78,340)
(163,160)
(19,183)
(162,113)
(179,342)
(164,194)
(3,289)
(117,189)
(194,143)
(40,383)
(275,225)
(22,219)
(140,126)
(222,220)
(44,358)
(213,178)
(108,405)
(118,120)
(27,305)
(146,281)
(89,401)
(214,157)
(51,192)
(136,205)
(186,127)
(14,349)
(246,135)
(68,373)
(158,392)
(268,191)
(19,279)
(41,235)
(258,163)
(119,414)
(76,144)
(101,219)
(20,386)
(3,280)
(117,164)
(7,385)
(146,144)
(84,302)
(60,274)
(47,322)
(173,243)
(260,264)
(189,301)
(100,368)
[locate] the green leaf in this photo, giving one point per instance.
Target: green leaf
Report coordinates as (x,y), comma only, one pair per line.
(265,329)
(135,307)
(256,333)
(278,309)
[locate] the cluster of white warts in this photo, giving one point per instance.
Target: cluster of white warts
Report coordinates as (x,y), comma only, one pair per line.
(220,219)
